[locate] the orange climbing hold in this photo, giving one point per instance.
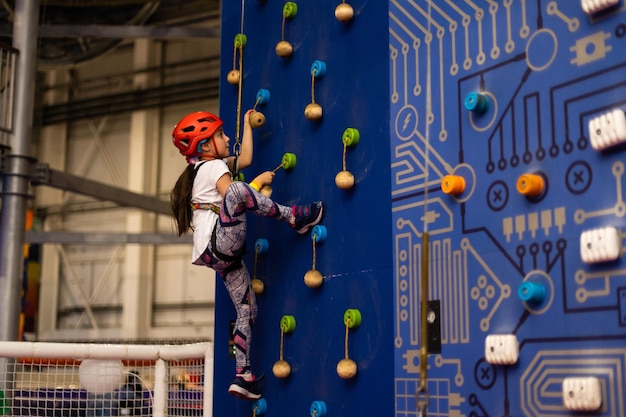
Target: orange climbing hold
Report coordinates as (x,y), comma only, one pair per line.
(530,185)
(453,184)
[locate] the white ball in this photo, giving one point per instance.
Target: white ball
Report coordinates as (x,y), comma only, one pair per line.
(101,376)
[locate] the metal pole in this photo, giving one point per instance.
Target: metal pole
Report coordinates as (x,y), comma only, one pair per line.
(16,177)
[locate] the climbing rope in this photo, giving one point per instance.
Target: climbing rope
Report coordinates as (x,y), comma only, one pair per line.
(239,47)
(421,395)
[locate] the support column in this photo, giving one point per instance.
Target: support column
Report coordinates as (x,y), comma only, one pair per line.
(16,177)
(142,175)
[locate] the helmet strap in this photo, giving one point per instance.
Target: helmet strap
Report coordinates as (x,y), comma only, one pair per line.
(214,145)
(209,157)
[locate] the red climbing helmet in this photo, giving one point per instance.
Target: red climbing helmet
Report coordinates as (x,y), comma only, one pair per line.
(193,129)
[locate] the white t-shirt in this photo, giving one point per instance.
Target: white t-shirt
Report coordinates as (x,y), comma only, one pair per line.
(205,191)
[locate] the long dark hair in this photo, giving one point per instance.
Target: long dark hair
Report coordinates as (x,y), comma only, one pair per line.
(180,200)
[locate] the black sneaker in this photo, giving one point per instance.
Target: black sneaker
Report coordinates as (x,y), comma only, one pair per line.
(243,389)
(307,216)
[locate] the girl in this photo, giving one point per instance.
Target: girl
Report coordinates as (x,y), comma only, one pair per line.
(206,197)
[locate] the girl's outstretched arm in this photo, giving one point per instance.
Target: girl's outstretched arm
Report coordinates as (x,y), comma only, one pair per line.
(247,146)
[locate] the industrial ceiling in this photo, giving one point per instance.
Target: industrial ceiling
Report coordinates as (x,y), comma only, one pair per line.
(75,31)
(71,32)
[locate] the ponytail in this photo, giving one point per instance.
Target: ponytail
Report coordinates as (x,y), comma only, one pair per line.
(180,200)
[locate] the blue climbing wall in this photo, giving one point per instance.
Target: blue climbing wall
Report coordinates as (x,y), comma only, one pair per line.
(545,69)
(356,257)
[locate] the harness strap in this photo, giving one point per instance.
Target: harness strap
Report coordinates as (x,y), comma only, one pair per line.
(236,259)
(206,206)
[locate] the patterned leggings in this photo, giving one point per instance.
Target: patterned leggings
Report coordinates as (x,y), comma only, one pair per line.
(224,255)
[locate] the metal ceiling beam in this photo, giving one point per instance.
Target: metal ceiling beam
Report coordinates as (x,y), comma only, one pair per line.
(119,31)
(204,89)
(96,238)
(44,175)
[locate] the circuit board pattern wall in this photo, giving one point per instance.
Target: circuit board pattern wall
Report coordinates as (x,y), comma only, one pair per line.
(514,86)
(356,258)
